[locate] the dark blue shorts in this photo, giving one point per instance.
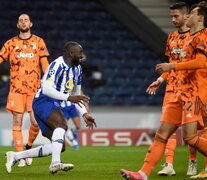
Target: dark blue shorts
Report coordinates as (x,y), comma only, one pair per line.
(70,111)
(43,107)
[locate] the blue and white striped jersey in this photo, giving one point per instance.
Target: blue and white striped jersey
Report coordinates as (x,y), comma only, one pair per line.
(64,76)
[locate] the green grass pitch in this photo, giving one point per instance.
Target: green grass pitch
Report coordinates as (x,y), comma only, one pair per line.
(96,163)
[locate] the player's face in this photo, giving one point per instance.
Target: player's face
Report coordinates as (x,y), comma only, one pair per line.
(24,24)
(77,56)
(177,17)
(194,18)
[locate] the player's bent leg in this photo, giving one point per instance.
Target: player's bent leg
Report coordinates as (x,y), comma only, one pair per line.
(197,142)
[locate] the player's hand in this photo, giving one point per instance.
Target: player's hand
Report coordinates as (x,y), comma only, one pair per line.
(89,120)
(164,67)
(78,99)
(152,88)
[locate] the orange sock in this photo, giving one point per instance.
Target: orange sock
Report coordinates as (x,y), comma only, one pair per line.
(170,150)
(33,132)
(153,155)
(18,138)
(193,153)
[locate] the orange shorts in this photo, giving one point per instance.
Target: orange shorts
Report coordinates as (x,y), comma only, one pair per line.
(19,102)
(167,97)
(181,111)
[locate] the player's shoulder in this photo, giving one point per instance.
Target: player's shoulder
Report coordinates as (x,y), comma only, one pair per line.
(12,40)
(58,62)
(36,37)
(200,36)
(174,33)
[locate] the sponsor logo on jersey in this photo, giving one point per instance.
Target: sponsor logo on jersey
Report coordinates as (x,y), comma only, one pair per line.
(34,46)
(25,55)
(176,51)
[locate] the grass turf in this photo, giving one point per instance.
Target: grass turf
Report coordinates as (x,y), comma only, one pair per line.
(96,163)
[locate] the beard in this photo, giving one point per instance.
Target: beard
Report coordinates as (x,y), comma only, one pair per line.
(24,30)
(75,61)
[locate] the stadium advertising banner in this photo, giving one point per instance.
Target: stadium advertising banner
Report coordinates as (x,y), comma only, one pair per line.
(119,137)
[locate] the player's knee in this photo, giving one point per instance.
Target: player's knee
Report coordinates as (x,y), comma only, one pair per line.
(64,126)
(160,138)
(17,128)
(191,140)
(203,132)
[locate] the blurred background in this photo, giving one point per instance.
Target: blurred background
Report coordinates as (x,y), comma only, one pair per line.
(123,41)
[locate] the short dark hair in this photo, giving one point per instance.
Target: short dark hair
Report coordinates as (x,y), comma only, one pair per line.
(180,6)
(25,14)
(68,46)
(202,10)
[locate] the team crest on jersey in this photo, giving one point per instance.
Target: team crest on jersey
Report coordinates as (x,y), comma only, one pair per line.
(34,46)
(183,54)
(17,47)
(51,72)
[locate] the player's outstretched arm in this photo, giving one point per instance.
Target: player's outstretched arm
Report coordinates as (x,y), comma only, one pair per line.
(199,62)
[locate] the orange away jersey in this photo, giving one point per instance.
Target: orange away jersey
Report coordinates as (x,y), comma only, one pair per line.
(175,43)
(193,82)
(24,58)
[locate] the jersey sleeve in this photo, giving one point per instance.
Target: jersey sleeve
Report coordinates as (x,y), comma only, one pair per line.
(78,76)
(44,64)
(53,71)
(167,50)
(164,75)
(4,53)
(43,52)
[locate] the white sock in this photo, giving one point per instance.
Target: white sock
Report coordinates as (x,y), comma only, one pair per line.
(39,151)
(70,137)
(169,164)
(57,144)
